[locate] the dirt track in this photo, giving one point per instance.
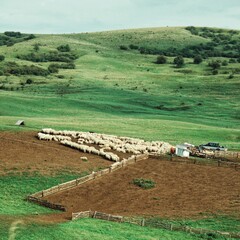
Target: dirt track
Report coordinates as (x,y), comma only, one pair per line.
(23,152)
(182,190)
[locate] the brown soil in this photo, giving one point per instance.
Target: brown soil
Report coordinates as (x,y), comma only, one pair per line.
(182,190)
(23,152)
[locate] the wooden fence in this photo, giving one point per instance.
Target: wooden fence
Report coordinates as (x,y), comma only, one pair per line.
(199,161)
(143,222)
(37,197)
(226,155)
(45,203)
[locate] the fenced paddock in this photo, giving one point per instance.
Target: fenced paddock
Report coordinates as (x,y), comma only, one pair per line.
(179,182)
(37,197)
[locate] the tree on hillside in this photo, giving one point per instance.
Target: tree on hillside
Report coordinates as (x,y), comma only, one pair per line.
(179,61)
(161,59)
(197,59)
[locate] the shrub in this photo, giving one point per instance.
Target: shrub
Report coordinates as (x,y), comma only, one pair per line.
(179,61)
(29,81)
(64,48)
(215,64)
(2,57)
(133,47)
(36,47)
(15,69)
(52,68)
(144,183)
(13,34)
(122,47)
(232,60)
(49,57)
(215,72)
(161,59)
(31,36)
(197,59)
(224,63)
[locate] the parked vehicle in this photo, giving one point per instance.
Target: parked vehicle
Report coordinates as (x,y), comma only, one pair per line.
(212,146)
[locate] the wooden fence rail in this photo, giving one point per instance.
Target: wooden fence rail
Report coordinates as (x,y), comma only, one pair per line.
(142,222)
(37,197)
(210,162)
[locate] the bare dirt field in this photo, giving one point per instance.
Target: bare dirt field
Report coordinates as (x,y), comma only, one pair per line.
(182,190)
(23,152)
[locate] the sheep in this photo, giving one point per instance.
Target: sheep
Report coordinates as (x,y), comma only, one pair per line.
(47,137)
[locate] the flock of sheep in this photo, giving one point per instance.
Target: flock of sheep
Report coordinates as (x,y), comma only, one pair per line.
(105,143)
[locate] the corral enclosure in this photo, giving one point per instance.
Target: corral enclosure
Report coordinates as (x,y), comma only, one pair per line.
(182,190)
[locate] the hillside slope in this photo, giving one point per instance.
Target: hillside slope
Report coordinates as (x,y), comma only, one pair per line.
(113,88)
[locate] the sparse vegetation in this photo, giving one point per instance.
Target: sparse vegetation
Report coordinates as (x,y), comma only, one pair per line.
(144,183)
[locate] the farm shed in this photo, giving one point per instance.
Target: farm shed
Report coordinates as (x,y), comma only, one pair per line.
(182,150)
(20,123)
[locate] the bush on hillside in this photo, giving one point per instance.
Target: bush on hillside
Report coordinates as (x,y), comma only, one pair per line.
(64,48)
(215,64)
(2,57)
(15,69)
(133,47)
(52,68)
(232,60)
(161,59)
(178,61)
(49,57)
(13,34)
(224,63)
(197,59)
(122,47)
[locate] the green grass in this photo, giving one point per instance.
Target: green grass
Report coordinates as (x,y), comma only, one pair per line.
(210,222)
(116,92)
(124,89)
(15,188)
(95,229)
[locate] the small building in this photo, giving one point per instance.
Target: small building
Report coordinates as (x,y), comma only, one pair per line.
(182,150)
(20,123)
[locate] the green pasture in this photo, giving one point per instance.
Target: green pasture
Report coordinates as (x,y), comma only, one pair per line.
(116,92)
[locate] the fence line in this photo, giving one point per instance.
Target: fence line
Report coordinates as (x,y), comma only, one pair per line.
(37,197)
(212,162)
(142,222)
(226,155)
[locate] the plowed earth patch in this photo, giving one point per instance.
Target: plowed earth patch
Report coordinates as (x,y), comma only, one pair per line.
(182,190)
(23,152)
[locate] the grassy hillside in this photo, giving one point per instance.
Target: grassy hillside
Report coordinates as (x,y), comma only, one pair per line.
(122,91)
(113,85)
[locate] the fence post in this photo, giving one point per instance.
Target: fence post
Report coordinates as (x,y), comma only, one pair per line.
(143,223)
(94,215)
(219,162)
